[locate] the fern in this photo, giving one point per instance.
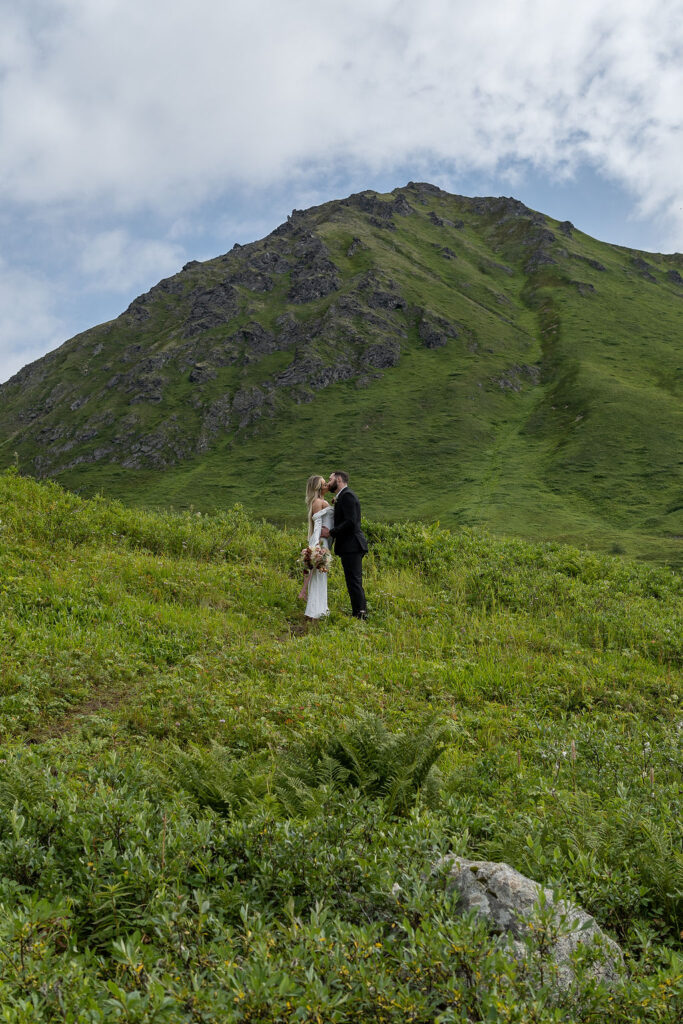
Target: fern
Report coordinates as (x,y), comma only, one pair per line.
(365,756)
(215,779)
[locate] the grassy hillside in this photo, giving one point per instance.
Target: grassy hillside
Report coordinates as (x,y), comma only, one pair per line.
(205,807)
(508,370)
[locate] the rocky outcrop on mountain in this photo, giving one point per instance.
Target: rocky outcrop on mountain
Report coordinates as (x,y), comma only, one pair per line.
(594,264)
(435,332)
(383,356)
(211,307)
(381,212)
(531,921)
(356,246)
(256,341)
(314,275)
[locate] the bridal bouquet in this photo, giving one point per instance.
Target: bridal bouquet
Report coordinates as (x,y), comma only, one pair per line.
(316,558)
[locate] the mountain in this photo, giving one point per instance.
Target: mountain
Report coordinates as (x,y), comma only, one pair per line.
(467,360)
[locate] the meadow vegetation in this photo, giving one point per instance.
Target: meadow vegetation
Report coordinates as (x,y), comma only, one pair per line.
(210,812)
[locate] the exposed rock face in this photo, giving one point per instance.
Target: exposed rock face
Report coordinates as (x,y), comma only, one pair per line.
(435,332)
(381,211)
(566,227)
(248,405)
(384,355)
(509,902)
(314,275)
(211,307)
(537,259)
(270,261)
(674,277)
(644,268)
(356,246)
(216,418)
(202,372)
(257,341)
(595,264)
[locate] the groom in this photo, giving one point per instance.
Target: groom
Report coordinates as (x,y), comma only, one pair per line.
(349,540)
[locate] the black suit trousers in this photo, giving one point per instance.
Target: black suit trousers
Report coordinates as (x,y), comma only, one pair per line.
(353,573)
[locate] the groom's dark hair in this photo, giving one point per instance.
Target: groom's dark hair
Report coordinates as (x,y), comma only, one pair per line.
(342,475)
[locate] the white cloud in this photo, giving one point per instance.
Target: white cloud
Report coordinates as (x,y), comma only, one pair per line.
(114,261)
(28,322)
(166,103)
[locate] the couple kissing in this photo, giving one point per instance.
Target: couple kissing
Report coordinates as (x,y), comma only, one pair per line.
(337,524)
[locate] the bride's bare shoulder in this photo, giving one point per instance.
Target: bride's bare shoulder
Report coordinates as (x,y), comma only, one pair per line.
(319,504)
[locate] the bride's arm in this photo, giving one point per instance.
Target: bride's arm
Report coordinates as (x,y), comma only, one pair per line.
(318,506)
(315,536)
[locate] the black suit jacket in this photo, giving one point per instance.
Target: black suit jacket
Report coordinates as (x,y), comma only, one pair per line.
(346,532)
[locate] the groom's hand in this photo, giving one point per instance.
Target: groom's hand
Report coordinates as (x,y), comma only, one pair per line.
(324,532)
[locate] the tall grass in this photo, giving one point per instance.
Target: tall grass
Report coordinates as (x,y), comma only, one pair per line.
(209,809)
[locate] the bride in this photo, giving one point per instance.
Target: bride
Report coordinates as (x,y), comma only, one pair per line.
(320,513)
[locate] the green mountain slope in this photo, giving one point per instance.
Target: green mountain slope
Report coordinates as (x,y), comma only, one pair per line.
(181,841)
(468,360)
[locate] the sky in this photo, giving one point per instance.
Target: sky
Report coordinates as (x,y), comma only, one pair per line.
(136,135)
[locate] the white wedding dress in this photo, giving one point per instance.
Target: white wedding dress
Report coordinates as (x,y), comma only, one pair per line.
(316,606)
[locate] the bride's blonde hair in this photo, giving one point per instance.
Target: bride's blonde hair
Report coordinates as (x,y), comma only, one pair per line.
(314,489)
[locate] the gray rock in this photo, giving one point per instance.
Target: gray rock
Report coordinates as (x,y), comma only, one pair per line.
(379,210)
(137,312)
(201,372)
(595,264)
(674,277)
(251,279)
(644,268)
(509,902)
(270,261)
(401,206)
(216,419)
(538,259)
(383,355)
(310,284)
(131,353)
(257,341)
(435,332)
(315,275)
(211,307)
(290,331)
(566,227)
(248,405)
(146,388)
(356,246)
(386,300)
